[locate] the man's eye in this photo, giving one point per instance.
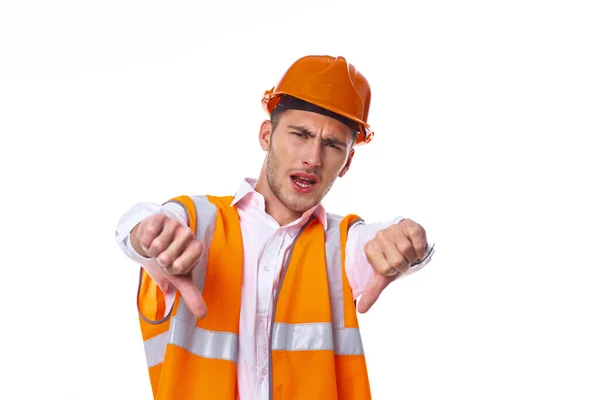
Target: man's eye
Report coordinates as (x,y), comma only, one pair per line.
(302,135)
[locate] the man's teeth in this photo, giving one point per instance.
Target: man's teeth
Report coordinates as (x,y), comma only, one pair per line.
(303,182)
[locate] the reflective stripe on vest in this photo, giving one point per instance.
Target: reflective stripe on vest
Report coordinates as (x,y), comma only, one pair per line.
(201,342)
(317,336)
(183,331)
(346,340)
(206,213)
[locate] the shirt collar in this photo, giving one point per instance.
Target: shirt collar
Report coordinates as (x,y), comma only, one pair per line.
(246,190)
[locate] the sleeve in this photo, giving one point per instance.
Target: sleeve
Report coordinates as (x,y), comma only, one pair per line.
(358,269)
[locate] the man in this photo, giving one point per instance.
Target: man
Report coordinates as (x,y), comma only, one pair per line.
(252,296)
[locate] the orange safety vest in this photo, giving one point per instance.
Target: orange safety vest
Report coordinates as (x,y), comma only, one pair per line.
(315,345)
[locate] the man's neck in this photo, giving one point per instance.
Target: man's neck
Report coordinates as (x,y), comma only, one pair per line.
(273,206)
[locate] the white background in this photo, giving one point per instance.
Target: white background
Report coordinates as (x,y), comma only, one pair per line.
(486,117)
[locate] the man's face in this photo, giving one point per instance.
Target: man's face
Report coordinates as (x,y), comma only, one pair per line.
(306,153)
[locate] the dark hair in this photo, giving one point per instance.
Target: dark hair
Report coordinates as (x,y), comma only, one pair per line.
(276,116)
(293,103)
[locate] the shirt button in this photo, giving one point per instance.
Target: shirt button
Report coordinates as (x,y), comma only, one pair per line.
(266,268)
(263,371)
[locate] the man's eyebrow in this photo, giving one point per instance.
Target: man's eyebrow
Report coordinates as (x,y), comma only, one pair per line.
(302,129)
(308,132)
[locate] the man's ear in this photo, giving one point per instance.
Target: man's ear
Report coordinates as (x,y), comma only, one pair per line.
(264,135)
(347,166)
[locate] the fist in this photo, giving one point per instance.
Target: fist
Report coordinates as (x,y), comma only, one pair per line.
(395,248)
(391,253)
(175,252)
(171,244)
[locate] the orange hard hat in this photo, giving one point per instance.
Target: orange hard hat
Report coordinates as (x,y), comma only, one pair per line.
(328,82)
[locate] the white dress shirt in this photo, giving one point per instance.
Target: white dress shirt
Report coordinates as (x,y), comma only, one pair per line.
(266,244)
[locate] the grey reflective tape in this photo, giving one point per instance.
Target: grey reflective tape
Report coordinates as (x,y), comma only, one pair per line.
(335,269)
(206,214)
(333,256)
(202,342)
(317,336)
(298,337)
(347,341)
(155,349)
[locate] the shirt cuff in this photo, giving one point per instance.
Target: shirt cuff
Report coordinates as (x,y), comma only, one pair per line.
(134,255)
(417,265)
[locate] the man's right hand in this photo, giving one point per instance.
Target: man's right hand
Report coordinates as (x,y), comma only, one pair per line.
(175,249)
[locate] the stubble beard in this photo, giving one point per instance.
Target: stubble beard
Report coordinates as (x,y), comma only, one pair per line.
(276,187)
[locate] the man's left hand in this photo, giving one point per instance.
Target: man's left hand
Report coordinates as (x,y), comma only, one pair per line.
(391,253)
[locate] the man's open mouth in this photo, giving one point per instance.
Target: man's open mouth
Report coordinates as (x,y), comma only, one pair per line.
(302,181)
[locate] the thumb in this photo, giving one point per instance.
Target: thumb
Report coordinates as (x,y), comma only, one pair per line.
(190,293)
(372,292)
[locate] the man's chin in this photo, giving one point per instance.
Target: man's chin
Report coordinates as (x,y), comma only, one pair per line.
(300,206)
